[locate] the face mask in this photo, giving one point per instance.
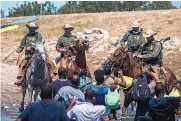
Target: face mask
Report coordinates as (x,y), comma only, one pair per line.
(32,30)
(135,32)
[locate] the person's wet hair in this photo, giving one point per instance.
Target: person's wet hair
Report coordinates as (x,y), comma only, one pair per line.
(107,70)
(62,72)
(75,80)
(89,94)
(159,89)
(79,72)
(99,76)
(46,92)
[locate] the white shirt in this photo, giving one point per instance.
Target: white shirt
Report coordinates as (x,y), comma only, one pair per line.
(85,111)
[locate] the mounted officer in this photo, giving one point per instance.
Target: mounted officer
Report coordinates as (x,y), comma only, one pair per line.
(133,39)
(66,42)
(152,49)
(28,42)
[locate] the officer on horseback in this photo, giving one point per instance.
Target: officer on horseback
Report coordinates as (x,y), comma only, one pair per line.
(133,39)
(28,42)
(65,42)
(151,51)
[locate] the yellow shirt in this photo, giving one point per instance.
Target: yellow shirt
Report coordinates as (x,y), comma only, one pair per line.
(129,82)
(110,81)
(175,92)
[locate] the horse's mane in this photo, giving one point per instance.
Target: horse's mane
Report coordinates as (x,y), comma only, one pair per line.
(118,51)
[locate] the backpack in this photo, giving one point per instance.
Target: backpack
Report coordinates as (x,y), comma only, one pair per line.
(112,99)
(141,91)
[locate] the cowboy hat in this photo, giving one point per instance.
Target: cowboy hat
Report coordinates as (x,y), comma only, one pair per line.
(32,25)
(149,33)
(68,26)
(135,24)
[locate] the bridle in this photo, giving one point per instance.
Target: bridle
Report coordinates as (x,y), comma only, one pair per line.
(119,61)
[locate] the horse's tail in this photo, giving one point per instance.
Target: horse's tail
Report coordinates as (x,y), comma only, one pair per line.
(172,79)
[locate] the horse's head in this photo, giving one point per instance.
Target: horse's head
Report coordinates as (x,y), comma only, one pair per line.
(41,51)
(82,44)
(115,57)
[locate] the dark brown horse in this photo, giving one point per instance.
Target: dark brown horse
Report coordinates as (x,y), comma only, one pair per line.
(78,61)
(120,60)
(132,66)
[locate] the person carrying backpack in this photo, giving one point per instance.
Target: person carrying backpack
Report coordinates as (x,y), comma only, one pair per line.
(100,89)
(142,95)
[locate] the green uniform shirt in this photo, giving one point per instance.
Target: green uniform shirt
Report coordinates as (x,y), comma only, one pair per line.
(134,41)
(65,41)
(152,50)
(29,40)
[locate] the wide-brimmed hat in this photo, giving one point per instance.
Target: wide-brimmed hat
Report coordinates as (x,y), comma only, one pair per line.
(149,33)
(68,26)
(32,25)
(135,24)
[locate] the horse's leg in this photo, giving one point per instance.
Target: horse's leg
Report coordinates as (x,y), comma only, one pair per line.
(21,108)
(127,100)
(88,72)
(30,91)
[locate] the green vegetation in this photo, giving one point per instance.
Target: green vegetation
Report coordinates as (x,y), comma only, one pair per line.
(33,8)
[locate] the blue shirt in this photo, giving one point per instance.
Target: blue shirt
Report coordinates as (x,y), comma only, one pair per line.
(163,109)
(45,111)
(67,93)
(100,92)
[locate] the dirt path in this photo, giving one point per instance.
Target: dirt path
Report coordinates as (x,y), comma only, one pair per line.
(10,94)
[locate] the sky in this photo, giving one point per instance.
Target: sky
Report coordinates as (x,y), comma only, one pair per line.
(8,4)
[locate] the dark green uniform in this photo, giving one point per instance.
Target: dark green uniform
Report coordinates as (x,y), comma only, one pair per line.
(134,41)
(65,41)
(152,52)
(29,40)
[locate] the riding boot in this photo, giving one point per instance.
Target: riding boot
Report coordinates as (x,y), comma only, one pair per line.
(21,71)
(19,81)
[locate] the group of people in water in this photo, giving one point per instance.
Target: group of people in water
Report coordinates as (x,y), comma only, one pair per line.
(83,98)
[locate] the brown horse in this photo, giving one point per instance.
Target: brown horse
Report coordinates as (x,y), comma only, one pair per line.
(78,61)
(132,66)
(120,60)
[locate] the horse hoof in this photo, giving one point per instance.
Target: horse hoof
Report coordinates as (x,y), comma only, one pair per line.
(21,109)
